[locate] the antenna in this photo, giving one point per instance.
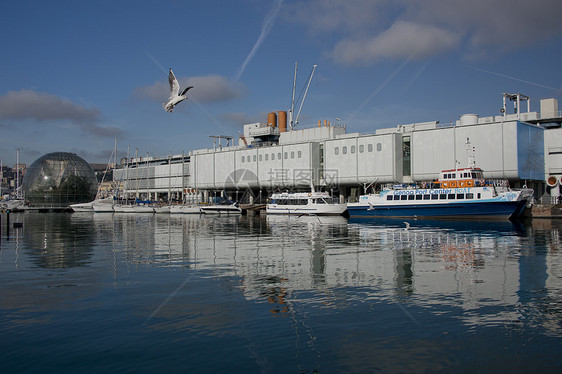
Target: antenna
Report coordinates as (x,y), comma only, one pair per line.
(305,92)
(293,99)
(471,153)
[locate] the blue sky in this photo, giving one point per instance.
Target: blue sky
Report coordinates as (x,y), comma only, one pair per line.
(76,75)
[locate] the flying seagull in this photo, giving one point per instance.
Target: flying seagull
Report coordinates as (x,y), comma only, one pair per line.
(175,96)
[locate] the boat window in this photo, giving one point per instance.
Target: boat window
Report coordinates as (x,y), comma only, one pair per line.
(254,158)
(479,195)
(260,157)
(379,147)
(451,196)
(460,196)
(426,197)
(352,149)
(411,197)
(285,155)
(299,155)
(266,157)
(319,201)
(344,150)
(434,197)
(470,196)
(442,196)
(396,197)
(389,197)
(292,154)
(404,197)
(361,148)
(419,197)
(370,148)
(243,158)
(279,155)
(454,175)
(337,150)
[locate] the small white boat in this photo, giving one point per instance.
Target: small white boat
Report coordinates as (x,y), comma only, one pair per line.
(103,205)
(185,209)
(133,209)
(221,209)
(305,203)
(162,209)
(15,205)
(89,206)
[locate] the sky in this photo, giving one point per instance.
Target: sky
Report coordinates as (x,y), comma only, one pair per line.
(75,75)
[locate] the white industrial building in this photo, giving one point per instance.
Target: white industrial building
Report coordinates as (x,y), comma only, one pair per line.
(523,147)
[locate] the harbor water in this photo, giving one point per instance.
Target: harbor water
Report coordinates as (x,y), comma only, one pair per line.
(91,293)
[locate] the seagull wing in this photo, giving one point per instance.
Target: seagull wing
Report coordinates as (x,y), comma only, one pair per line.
(174,85)
(187,89)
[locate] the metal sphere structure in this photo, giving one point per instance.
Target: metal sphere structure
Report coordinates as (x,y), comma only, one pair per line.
(57,180)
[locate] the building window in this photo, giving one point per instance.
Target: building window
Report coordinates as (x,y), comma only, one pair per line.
(337,150)
(352,149)
(406,155)
(344,150)
(370,148)
(361,148)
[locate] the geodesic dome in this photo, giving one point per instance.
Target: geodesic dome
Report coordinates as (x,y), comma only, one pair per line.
(59,179)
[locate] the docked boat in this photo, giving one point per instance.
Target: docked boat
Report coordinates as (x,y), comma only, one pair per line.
(221,209)
(12,205)
(304,203)
(457,193)
(89,206)
(185,209)
(133,208)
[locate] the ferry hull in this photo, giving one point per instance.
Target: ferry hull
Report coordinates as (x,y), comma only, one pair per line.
(495,209)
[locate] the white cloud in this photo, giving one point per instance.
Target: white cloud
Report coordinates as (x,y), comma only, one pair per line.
(207,89)
(27,104)
(42,107)
(402,40)
(384,27)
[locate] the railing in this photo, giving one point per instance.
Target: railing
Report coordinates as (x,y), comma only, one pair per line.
(551,200)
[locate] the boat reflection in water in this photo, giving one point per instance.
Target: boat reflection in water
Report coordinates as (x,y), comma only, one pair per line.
(358,295)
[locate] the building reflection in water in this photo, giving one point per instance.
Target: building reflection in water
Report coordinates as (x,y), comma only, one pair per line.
(276,256)
(277,260)
(57,240)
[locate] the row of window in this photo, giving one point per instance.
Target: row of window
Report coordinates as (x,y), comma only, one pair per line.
(254,158)
(361,149)
(451,196)
(462,175)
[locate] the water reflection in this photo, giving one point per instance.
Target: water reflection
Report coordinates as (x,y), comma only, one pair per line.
(57,240)
(266,292)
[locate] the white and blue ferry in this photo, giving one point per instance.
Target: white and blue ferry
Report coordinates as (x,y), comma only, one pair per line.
(458,193)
